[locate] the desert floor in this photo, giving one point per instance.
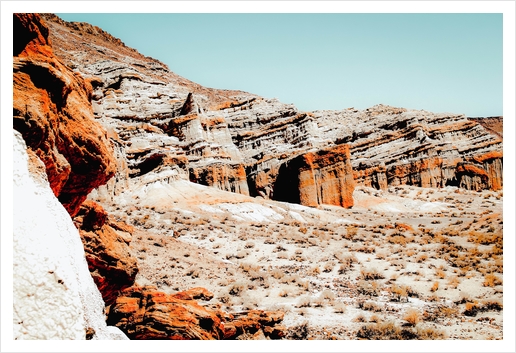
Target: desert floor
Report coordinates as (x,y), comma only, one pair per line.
(403,263)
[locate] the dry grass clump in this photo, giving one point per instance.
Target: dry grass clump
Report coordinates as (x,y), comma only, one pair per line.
(369,306)
(440,312)
(412,317)
(370,274)
(491,280)
(390,331)
(371,288)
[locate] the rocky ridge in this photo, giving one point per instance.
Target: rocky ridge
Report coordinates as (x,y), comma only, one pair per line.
(157,118)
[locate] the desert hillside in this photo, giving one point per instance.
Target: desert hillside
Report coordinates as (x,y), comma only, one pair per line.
(219,214)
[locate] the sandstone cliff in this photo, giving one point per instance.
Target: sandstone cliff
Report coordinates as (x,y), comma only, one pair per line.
(52,110)
(157,117)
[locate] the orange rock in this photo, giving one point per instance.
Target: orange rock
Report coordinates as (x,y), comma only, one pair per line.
(145,313)
(107,253)
(314,178)
(225,176)
(194,293)
(52,111)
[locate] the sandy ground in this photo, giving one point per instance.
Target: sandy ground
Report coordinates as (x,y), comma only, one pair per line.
(428,261)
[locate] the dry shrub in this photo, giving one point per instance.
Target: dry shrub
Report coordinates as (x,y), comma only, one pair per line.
(398,293)
(284,293)
(328,267)
(375,318)
(411,317)
(486,238)
(440,312)
(492,305)
(237,288)
(389,331)
(359,318)
(403,227)
(304,302)
(369,306)
(381,255)
(351,232)
(435,287)
(471,309)
(421,258)
(299,332)
(371,288)
(327,294)
(277,273)
(440,273)
(370,274)
(398,239)
(314,271)
(453,282)
(491,280)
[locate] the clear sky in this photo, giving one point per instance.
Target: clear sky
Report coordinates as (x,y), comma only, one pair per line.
(436,62)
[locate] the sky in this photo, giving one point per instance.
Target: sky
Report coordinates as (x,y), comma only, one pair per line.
(436,62)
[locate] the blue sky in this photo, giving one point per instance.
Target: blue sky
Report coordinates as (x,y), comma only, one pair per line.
(436,62)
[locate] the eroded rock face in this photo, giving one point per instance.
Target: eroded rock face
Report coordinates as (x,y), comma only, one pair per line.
(52,110)
(395,146)
(111,265)
(158,116)
(314,178)
(145,313)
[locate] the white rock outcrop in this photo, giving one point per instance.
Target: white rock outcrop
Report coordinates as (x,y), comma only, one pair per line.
(54,296)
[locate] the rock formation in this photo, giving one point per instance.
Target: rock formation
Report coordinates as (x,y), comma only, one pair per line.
(52,110)
(492,124)
(311,179)
(157,116)
(145,313)
(54,296)
(105,243)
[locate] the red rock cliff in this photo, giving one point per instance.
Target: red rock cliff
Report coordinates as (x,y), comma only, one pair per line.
(52,110)
(314,178)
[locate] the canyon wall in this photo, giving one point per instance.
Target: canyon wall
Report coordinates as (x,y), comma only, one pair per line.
(314,178)
(158,117)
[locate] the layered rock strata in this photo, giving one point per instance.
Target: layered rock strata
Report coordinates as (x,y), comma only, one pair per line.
(395,146)
(145,313)
(157,117)
(314,178)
